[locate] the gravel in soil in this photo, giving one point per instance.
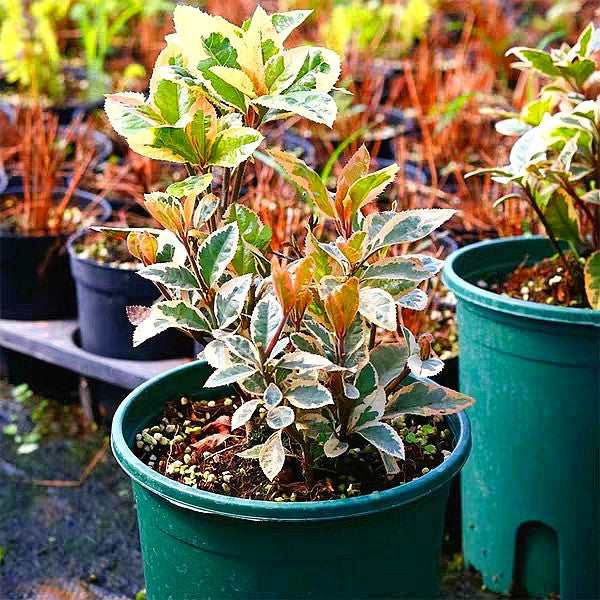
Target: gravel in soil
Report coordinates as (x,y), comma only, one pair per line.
(106,250)
(192,442)
(546,282)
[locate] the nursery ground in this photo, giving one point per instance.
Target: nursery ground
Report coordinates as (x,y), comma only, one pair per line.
(64,541)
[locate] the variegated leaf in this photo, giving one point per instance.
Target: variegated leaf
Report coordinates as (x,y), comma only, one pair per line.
(304,361)
(312,105)
(272,396)
(233,146)
(172,275)
(216,252)
(243,413)
(378,307)
(333,447)
(309,396)
(426,399)
(196,184)
(388,229)
(230,300)
(280,417)
(389,361)
(265,321)
(229,375)
(272,456)
(385,438)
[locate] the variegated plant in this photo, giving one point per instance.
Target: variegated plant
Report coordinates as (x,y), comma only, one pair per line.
(299,341)
(555,164)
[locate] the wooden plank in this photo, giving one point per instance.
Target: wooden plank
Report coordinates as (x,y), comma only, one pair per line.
(53,342)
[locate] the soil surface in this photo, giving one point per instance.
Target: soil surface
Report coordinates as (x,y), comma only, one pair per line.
(107,250)
(80,542)
(547,282)
(192,443)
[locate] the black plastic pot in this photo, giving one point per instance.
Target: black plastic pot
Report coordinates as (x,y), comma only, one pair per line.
(35,279)
(103,293)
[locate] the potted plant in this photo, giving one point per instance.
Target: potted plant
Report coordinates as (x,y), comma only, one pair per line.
(529,329)
(259,447)
(106,283)
(37,213)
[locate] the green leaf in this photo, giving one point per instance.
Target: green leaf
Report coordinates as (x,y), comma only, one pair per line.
(11,429)
(280,417)
(172,100)
(219,51)
(232,147)
(254,236)
(367,380)
(196,184)
(229,375)
(367,188)
(172,275)
(387,229)
(216,252)
(309,396)
(243,413)
(426,399)
(563,218)
(272,456)
(265,321)
(537,59)
(592,280)
(389,361)
(230,300)
(385,438)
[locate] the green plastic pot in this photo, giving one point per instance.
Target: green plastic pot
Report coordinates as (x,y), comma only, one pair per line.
(202,546)
(531,513)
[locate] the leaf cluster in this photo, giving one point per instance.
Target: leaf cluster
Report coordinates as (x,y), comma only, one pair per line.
(299,338)
(555,163)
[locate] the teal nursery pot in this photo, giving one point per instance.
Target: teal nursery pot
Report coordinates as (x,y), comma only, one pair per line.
(531,511)
(202,546)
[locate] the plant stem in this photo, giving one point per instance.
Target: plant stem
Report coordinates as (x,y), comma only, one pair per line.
(393,385)
(275,338)
(551,236)
(307,458)
(237,184)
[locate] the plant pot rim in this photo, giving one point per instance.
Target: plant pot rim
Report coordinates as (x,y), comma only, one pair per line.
(470,292)
(262,510)
(77,193)
(90,261)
